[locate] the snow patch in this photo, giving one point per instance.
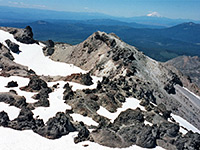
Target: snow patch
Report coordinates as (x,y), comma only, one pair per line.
(12,111)
(33,57)
(192,93)
(84,119)
(185,124)
(21,83)
(56,103)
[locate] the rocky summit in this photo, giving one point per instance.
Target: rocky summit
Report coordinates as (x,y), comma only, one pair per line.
(120,98)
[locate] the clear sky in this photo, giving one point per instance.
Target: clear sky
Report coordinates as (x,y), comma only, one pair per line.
(187,9)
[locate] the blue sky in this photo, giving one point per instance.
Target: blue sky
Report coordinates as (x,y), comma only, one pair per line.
(187,9)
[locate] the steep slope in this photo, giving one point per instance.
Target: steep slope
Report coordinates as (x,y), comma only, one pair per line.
(137,101)
(107,55)
(189,66)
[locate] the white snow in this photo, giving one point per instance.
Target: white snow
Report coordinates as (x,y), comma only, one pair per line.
(130,103)
(12,111)
(147,123)
(185,124)
(84,119)
(192,93)
(22,140)
(21,83)
(33,57)
(56,103)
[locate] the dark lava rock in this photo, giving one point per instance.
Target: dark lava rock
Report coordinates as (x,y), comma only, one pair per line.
(169,88)
(105,80)
(146,138)
(129,116)
(49,49)
(24,121)
(191,141)
(83,134)
(57,126)
(130,132)
(87,79)
(35,84)
(13,99)
(42,102)
(162,108)
(43,93)
(4,119)
(12,84)
(168,129)
(25,36)
(50,43)
(68,93)
(13,47)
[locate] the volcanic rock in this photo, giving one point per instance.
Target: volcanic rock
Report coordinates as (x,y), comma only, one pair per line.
(13,47)
(4,119)
(12,84)
(146,138)
(57,126)
(83,134)
(24,121)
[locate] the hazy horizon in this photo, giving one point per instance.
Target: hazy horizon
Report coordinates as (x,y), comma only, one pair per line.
(175,9)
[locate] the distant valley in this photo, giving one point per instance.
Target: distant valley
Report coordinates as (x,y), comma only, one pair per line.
(161,44)
(158,37)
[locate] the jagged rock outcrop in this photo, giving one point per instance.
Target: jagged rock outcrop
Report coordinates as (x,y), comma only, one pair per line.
(130,72)
(9,67)
(48,50)
(83,134)
(4,119)
(12,84)
(21,35)
(13,99)
(35,84)
(57,126)
(13,47)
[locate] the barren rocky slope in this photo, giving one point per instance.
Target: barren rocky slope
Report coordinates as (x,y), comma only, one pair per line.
(188,65)
(128,76)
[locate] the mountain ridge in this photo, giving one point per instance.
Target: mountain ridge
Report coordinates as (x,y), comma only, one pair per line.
(152,94)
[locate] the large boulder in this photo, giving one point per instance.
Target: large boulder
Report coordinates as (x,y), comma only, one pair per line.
(13,99)
(12,84)
(35,84)
(4,119)
(24,35)
(24,121)
(13,46)
(57,126)
(146,138)
(83,134)
(129,116)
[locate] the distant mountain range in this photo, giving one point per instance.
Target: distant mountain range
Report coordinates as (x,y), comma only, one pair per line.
(158,37)
(9,14)
(161,44)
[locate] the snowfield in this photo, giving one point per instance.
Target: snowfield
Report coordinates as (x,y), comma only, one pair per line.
(185,124)
(33,57)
